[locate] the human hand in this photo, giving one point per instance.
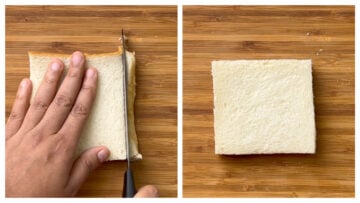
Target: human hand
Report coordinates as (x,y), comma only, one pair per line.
(41,137)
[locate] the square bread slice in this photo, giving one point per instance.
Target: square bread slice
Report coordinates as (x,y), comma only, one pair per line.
(263,107)
(105,125)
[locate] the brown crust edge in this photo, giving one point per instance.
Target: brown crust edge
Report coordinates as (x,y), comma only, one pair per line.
(54,55)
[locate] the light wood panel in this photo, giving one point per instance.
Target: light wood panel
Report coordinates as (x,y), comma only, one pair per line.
(324,34)
(152,33)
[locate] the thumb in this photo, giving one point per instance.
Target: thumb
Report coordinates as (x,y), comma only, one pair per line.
(87,162)
(147,191)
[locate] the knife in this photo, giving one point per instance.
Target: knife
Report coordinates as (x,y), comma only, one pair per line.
(129,189)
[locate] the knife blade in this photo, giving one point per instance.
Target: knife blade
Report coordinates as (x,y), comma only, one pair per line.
(129,189)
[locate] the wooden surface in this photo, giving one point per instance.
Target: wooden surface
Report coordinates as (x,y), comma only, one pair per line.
(323,34)
(152,33)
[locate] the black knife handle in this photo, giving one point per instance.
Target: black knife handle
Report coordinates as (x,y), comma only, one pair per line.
(129,189)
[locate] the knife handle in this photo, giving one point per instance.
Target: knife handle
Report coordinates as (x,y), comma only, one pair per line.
(129,189)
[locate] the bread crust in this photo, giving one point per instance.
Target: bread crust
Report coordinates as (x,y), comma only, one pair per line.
(87,55)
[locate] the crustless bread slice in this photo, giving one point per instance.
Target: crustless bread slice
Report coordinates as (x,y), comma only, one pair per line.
(263,107)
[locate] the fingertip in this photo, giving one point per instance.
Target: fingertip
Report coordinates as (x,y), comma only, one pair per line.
(25,82)
(78,53)
(77,59)
(24,87)
(93,68)
(147,191)
(57,60)
(28,81)
(56,64)
(91,72)
(103,154)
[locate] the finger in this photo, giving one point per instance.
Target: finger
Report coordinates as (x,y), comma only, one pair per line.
(65,97)
(19,108)
(87,162)
(147,191)
(44,95)
(76,120)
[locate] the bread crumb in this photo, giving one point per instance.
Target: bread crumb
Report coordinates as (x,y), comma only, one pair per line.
(318,52)
(125,37)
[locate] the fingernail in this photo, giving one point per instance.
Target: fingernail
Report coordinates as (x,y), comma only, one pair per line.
(90,73)
(76,59)
(22,89)
(55,66)
(103,155)
(23,83)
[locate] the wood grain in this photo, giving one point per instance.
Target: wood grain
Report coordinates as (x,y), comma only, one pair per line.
(324,34)
(152,33)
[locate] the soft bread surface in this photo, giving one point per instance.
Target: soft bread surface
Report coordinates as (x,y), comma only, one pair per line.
(263,106)
(105,125)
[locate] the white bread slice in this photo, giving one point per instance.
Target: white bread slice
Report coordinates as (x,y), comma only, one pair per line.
(105,125)
(263,107)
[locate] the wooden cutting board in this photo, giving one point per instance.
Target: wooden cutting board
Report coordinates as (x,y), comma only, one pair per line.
(152,33)
(324,34)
